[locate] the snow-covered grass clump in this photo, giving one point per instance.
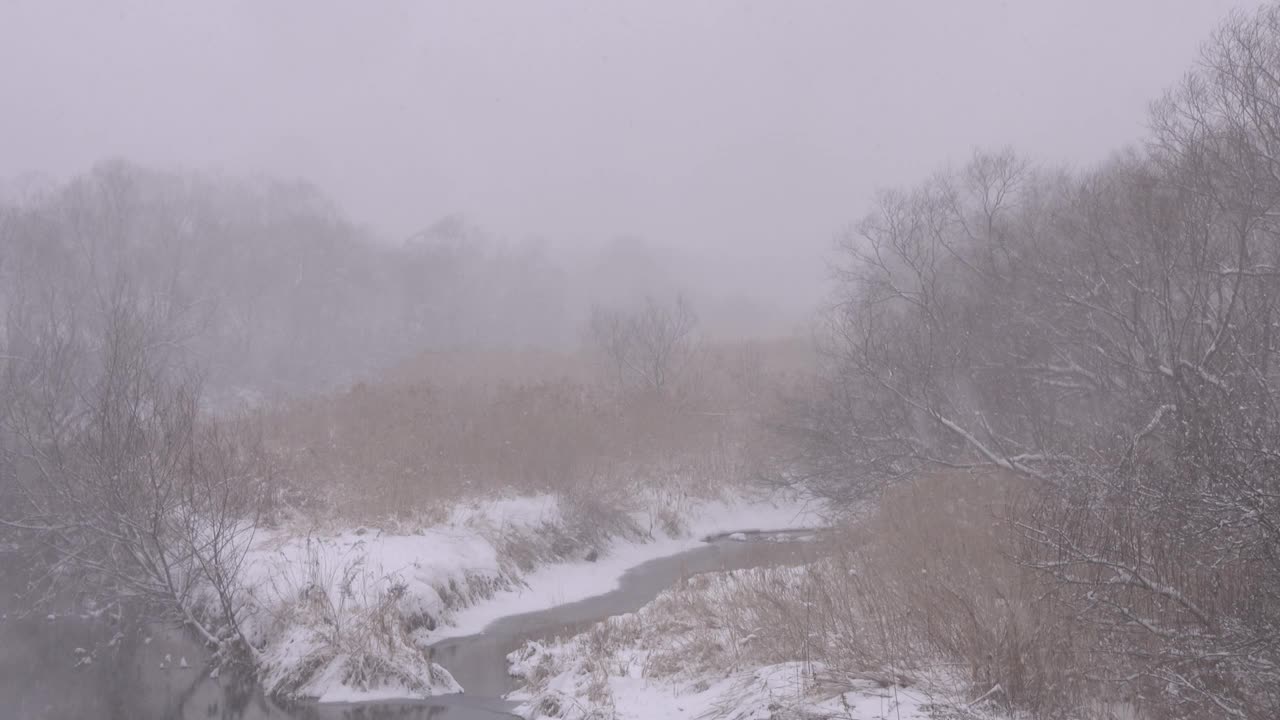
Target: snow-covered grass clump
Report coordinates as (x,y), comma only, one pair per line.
(350,614)
(679,658)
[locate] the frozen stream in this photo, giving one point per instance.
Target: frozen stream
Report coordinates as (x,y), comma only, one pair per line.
(37,679)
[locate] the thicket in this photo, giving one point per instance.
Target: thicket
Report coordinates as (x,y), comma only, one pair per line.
(1109,338)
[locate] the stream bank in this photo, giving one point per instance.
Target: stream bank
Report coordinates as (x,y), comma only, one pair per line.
(149,681)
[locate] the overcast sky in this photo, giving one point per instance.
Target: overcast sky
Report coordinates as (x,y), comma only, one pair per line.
(756,127)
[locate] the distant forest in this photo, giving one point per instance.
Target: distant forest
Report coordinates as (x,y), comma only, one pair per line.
(275,291)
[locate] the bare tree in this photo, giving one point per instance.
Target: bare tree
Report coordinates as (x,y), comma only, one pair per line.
(116,483)
(647,347)
(1111,337)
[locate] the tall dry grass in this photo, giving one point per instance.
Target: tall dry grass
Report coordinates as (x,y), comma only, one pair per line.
(455,425)
(923,591)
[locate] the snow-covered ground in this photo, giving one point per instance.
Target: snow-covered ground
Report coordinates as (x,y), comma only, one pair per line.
(770,692)
(347,615)
(673,659)
(566,582)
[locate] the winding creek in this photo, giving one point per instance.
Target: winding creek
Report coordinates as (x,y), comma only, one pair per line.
(146,681)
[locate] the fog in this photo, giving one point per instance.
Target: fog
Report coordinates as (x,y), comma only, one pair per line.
(640,359)
(743,134)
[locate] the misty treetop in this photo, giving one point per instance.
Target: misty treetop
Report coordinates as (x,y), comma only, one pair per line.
(266,283)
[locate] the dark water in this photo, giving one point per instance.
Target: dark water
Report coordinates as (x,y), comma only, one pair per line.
(139,677)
